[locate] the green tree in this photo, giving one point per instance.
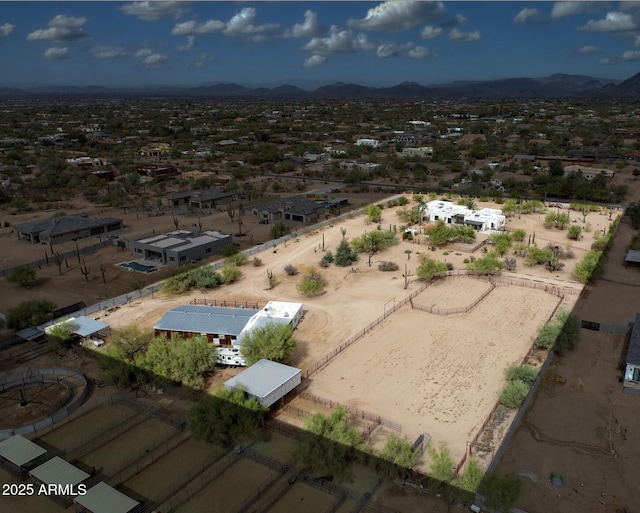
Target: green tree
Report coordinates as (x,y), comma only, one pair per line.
(430,268)
(569,334)
(328,445)
(374,213)
(441,464)
(397,458)
(130,340)
(468,482)
(502,242)
(273,341)
(575,232)
(488,264)
(230,273)
(345,255)
(22,276)
(60,335)
(279,230)
(226,418)
(29,313)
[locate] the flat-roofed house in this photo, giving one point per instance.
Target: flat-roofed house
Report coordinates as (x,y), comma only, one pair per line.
(180,246)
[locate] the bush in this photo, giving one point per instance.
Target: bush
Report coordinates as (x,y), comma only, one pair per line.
(290,270)
(228,250)
(514,393)
(238,259)
(525,373)
(230,273)
(312,284)
(502,492)
(387,266)
(327,257)
(256,262)
(22,275)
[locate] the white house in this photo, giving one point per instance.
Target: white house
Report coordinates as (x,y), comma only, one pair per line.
(371,143)
(486,219)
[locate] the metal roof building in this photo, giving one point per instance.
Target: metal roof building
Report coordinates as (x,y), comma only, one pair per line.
(221,325)
(102,498)
(16,453)
(266,381)
(60,472)
(64,228)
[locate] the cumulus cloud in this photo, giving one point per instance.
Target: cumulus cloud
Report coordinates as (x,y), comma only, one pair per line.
(630,55)
(613,22)
(191,41)
(525,14)
(314,60)
(6,29)
(154,60)
(458,35)
(397,15)
(586,50)
(153,11)
(192,27)
(243,23)
(430,32)
(62,29)
(309,28)
(57,53)
(143,52)
(570,8)
(338,41)
(421,52)
(108,52)
(390,49)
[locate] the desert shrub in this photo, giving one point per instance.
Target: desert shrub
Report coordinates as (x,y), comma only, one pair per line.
(230,273)
(525,373)
(238,259)
(328,257)
(466,261)
(256,262)
(519,234)
(387,266)
(510,263)
(449,266)
(312,284)
(22,275)
(590,268)
(502,492)
(290,270)
(430,268)
(228,249)
(324,263)
(514,393)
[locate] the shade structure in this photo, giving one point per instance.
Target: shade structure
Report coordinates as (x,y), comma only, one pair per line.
(19,451)
(103,498)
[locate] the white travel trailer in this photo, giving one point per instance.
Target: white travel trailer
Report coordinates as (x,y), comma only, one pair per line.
(230,356)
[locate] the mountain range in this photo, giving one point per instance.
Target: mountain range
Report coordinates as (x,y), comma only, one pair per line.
(554,86)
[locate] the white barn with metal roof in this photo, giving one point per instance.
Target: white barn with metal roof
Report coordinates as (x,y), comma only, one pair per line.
(266,381)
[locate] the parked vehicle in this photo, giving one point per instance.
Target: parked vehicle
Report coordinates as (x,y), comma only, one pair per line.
(230,356)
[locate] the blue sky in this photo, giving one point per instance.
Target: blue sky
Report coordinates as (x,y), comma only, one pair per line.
(372,43)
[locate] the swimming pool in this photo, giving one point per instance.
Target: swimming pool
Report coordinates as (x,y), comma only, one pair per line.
(135,266)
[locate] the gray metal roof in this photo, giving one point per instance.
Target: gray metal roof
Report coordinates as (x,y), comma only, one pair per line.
(102,498)
(58,471)
(18,450)
(262,378)
(86,326)
(632,256)
(633,354)
(295,205)
(206,319)
(30,333)
(64,224)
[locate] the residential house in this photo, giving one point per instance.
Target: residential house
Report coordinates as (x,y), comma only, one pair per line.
(296,208)
(486,219)
(180,246)
(65,228)
(631,380)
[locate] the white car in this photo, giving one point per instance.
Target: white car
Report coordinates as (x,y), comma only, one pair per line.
(98,342)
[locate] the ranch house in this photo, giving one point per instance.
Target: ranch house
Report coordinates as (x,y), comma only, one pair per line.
(486,219)
(180,246)
(65,228)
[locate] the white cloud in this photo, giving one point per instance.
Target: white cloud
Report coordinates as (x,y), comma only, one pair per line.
(243,23)
(309,28)
(338,41)
(587,50)
(613,22)
(154,60)
(143,52)
(108,52)
(6,29)
(430,32)
(525,14)
(459,19)
(62,29)
(630,56)
(570,8)
(397,15)
(202,60)
(153,11)
(421,52)
(56,53)
(193,27)
(191,41)
(458,35)
(314,60)
(607,61)
(390,49)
